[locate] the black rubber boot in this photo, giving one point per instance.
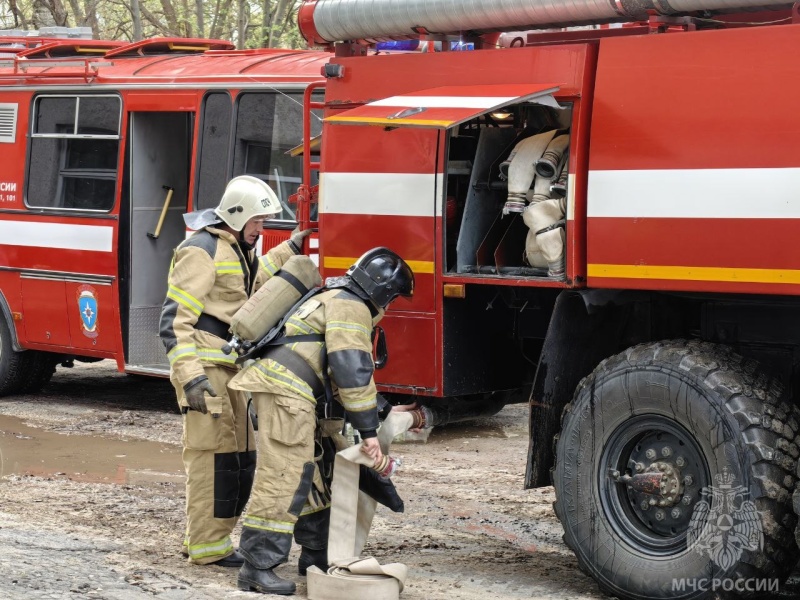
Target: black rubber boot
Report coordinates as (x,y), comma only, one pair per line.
(264,581)
(232,560)
(309,557)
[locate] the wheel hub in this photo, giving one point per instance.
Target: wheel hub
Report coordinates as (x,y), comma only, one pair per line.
(654,475)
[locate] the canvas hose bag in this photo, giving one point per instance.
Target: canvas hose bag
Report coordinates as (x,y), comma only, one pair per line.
(351,576)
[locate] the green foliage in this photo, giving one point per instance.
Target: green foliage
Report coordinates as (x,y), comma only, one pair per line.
(265,23)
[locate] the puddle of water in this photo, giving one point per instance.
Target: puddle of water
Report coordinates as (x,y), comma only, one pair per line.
(29,451)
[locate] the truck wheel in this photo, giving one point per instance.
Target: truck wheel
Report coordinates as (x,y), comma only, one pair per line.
(38,369)
(674,474)
(22,372)
(12,363)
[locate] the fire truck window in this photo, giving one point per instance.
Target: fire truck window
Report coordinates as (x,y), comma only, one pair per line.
(268,125)
(214,149)
(98,114)
(55,115)
(74,152)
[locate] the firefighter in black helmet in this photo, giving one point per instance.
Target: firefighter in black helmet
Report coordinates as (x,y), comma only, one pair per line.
(289,496)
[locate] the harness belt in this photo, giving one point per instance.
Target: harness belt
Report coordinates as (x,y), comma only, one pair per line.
(214,326)
(350,576)
(295,363)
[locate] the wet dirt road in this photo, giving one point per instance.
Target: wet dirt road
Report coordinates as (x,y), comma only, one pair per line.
(91,504)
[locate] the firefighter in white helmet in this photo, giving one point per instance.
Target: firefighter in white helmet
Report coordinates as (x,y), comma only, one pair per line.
(290,498)
(212,275)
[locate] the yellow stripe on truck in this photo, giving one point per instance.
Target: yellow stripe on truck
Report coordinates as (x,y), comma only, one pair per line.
(345,262)
(735,275)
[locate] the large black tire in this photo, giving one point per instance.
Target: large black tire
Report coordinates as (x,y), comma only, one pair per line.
(39,368)
(22,372)
(719,413)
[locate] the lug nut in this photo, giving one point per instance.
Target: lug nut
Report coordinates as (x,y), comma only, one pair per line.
(687,500)
(660,516)
(676,513)
(651,454)
(645,505)
(688,480)
(639,467)
(680,461)
(666,451)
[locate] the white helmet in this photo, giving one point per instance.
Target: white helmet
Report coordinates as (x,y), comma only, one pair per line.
(246,197)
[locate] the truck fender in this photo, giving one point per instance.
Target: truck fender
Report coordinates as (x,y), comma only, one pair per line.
(6,314)
(586,326)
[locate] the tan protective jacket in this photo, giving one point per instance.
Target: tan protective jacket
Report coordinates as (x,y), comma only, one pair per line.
(346,322)
(211,275)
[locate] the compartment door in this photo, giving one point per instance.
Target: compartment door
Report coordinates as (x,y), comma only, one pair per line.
(444,107)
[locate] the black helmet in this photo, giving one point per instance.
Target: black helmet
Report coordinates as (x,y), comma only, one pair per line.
(383,276)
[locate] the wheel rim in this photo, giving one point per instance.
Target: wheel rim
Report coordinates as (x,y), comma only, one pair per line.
(652,523)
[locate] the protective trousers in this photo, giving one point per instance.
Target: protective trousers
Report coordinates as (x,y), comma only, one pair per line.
(289,497)
(219,458)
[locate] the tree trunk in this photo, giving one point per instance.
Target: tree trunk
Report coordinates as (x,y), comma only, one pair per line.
(241,25)
(275,28)
(201,28)
(90,16)
(266,18)
(220,21)
(136,16)
(42,15)
(171,17)
(77,13)
(186,22)
(19,16)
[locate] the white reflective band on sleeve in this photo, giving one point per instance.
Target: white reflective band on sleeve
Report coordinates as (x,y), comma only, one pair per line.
(401,194)
(96,238)
(695,194)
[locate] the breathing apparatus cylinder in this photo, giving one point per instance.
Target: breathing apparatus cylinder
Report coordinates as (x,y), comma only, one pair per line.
(269,304)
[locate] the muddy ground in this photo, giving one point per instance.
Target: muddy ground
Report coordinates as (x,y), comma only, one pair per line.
(91,504)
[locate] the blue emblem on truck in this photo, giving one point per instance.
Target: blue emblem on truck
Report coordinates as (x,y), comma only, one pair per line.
(87,305)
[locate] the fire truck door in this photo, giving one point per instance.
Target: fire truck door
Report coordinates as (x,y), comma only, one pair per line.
(158,169)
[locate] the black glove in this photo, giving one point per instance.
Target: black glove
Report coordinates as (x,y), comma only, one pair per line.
(195,395)
(379,489)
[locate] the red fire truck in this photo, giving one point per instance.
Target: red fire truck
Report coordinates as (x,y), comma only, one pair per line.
(660,335)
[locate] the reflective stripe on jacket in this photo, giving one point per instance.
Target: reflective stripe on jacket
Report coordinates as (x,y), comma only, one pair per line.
(347,324)
(210,274)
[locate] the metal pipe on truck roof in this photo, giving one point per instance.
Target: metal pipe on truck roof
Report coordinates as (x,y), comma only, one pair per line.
(325,21)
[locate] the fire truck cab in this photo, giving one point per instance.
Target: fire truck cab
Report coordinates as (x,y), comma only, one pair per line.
(103,147)
(661,358)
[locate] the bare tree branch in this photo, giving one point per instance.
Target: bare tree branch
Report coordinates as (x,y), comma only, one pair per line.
(154,20)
